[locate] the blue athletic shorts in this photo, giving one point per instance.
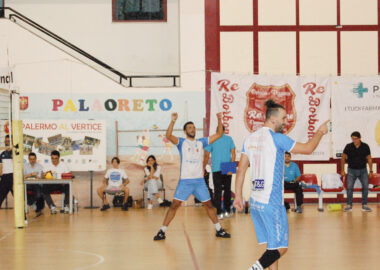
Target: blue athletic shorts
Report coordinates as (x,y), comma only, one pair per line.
(271,224)
(197,187)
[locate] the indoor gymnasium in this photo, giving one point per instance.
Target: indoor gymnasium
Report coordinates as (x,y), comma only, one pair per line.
(189,134)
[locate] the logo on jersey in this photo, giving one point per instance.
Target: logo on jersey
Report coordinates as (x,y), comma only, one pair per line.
(115,176)
(258,184)
(254,114)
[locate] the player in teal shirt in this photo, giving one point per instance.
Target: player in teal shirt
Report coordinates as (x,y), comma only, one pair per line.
(292,175)
(222,150)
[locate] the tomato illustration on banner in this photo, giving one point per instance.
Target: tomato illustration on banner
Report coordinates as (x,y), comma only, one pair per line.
(6,128)
(24,103)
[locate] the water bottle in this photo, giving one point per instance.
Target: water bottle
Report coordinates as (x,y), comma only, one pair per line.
(76,207)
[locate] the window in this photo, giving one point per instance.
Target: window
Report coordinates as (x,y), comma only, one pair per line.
(139,10)
(1,8)
(294,36)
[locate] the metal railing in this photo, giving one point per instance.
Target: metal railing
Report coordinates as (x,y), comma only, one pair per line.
(15,15)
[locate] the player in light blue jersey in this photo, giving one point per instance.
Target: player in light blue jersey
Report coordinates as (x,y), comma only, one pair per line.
(191,177)
(264,151)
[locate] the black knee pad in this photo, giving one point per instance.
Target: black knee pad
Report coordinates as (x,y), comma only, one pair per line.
(269,257)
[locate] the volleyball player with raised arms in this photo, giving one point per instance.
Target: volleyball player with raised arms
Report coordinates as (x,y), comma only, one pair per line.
(191,176)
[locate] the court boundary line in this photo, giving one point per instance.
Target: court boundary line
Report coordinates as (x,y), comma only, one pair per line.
(190,246)
(100,257)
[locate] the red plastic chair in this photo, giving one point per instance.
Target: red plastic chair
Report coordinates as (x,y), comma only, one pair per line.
(309,178)
(375,180)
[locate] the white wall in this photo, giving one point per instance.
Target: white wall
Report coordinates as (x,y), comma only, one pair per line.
(318,50)
(130,47)
(42,67)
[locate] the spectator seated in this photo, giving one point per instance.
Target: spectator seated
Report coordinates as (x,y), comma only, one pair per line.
(161,189)
(115,182)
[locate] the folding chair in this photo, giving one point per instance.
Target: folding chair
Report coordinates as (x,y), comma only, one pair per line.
(160,190)
(116,192)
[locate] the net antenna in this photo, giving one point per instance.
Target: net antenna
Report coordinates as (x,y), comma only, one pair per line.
(16,133)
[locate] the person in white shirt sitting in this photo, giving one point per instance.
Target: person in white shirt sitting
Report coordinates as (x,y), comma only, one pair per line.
(54,170)
(115,181)
(33,170)
(152,181)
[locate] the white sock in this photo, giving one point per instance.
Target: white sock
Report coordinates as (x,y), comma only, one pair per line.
(257,266)
(163,228)
(218,226)
(160,200)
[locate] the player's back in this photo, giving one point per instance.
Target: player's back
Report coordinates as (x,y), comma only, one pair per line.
(266,156)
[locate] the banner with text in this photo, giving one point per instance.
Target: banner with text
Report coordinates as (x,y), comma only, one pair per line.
(356,107)
(241,99)
(142,117)
(81,143)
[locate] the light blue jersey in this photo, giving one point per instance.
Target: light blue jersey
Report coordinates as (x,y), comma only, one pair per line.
(265,150)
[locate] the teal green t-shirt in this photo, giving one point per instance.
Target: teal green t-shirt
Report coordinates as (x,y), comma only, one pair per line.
(291,172)
(220,151)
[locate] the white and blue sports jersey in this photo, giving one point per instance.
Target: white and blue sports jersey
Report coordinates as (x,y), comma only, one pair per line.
(191,153)
(265,150)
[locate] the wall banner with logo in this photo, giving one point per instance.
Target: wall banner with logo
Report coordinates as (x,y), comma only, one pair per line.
(356,107)
(81,143)
(241,99)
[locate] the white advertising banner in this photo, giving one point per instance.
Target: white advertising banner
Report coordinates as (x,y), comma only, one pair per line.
(356,107)
(81,143)
(241,99)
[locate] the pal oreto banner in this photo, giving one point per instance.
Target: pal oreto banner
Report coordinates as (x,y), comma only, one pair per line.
(137,114)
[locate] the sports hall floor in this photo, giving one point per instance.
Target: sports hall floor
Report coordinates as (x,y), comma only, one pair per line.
(91,239)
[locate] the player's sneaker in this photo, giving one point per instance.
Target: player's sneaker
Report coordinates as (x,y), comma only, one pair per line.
(159,236)
(256,266)
(105,207)
(299,209)
(348,208)
(53,210)
(34,206)
(223,234)
(150,206)
(165,203)
(220,216)
(66,210)
(227,215)
(365,208)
